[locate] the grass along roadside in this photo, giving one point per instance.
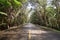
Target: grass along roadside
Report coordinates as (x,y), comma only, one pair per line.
(48,28)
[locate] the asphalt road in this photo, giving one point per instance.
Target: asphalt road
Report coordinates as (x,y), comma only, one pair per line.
(30,32)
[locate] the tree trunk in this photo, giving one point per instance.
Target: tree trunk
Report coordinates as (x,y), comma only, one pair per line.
(45,19)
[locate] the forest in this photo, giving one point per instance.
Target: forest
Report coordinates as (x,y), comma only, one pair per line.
(14,13)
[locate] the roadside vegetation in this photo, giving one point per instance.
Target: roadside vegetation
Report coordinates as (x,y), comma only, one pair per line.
(14,13)
(47,14)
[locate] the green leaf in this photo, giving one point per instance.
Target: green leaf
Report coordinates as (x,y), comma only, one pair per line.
(2,13)
(6,3)
(17,3)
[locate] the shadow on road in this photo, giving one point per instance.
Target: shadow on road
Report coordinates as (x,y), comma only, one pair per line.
(36,33)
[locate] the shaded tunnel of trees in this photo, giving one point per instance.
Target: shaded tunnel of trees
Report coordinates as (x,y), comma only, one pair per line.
(13,13)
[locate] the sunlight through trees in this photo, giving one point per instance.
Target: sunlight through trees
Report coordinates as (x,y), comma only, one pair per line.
(42,12)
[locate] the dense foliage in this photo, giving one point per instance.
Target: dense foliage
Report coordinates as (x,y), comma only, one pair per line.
(9,13)
(15,12)
(49,13)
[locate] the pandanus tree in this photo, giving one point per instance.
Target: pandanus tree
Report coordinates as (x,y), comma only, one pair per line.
(43,4)
(3,21)
(11,8)
(56,4)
